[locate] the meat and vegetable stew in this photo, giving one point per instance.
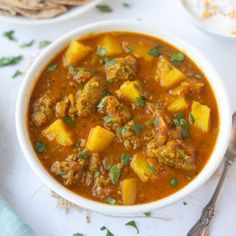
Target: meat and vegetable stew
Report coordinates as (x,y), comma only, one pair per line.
(123,118)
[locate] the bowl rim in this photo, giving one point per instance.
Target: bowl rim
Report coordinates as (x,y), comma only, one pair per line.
(79,10)
(123,26)
(200,25)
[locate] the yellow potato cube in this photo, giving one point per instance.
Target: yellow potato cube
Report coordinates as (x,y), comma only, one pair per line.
(99,138)
(111,45)
(201,116)
(179,104)
(139,164)
(129,191)
(76,52)
(140,51)
(168,75)
(130,90)
(59,132)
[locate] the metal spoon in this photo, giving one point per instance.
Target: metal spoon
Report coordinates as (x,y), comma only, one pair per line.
(201,228)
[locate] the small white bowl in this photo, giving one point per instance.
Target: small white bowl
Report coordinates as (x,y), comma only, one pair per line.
(200,24)
(70,14)
(124,26)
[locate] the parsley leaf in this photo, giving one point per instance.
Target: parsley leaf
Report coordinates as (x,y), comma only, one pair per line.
(141,100)
(114,174)
(109,233)
(125,158)
(111,201)
(136,128)
(155,51)
(101,104)
(104,8)
(17,73)
(96,174)
(177,58)
(191,118)
(107,119)
(52,67)
(180,121)
(84,155)
(6,61)
(101,52)
(10,35)
(156,122)
(40,147)
(44,43)
(173,182)
(72,69)
(151,169)
(132,223)
(69,121)
(27,45)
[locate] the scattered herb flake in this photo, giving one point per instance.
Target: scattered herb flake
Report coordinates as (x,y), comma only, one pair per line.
(185,203)
(72,69)
(128,49)
(198,75)
(136,128)
(177,58)
(96,174)
(10,35)
(141,100)
(125,158)
(17,73)
(180,121)
(27,45)
(155,51)
(122,130)
(69,121)
(52,67)
(101,52)
(107,119)
(110,61)
(111,201)
(132,223)
(44,43)
(40,147)
(84,155)
(125,4)
(191,118)
(78,234)
(156,122)
(173,182)
(114,174)
(6,61)
(101,104)
(151,169)
(104,8)
(148,213)
(109,233)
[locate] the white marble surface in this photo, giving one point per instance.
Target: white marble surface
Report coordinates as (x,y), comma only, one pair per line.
(28,195)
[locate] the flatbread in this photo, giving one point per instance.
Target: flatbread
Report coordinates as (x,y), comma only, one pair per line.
(70,2)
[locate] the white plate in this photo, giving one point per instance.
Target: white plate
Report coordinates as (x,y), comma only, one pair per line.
(197,22)
(73,12)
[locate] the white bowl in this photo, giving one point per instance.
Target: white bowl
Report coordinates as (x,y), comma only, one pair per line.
(197,22)
(129,26)
(70,14)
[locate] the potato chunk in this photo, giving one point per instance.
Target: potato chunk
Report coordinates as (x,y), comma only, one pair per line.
(130,90)
(168,75)
(201,116)
(179,104)
(129,191)
(76,52)
(139,164)
(59,132)
(111,45)
(99,138)
(140,51)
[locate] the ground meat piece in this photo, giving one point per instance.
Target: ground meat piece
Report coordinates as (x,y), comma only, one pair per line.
(42,110)
(71,170)
(82,75)
(115,110)
(177,155)
(94,162)
(61,108)
(121,70)
(99,188)
(88,98)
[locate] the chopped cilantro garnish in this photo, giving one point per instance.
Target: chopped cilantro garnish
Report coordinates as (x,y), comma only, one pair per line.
(147,213)
(101,104)
(198,75)
(6,61)
(114,174)
(110,61)
(136,128)
(177,58)
(44,43)
(125,158)
(155,51)
(69,121)
(101,52)
(78,234)
(107,119)
(104,8)
(141,100)
(151,169)
(40,147)
(52,67)
(179,120)
(122,130)
(132,223)
(72,69)
(96,174)
(125,4)
(17,73)
(84,155)
(109,233)
(27,45)
(173,182)
(10,35)
(128,49)
(111,201)
(191,118)
(156,122)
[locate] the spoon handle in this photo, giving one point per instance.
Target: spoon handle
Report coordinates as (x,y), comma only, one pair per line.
(201,228)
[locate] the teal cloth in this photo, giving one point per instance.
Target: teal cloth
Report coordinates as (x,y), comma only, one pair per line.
(10,223)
